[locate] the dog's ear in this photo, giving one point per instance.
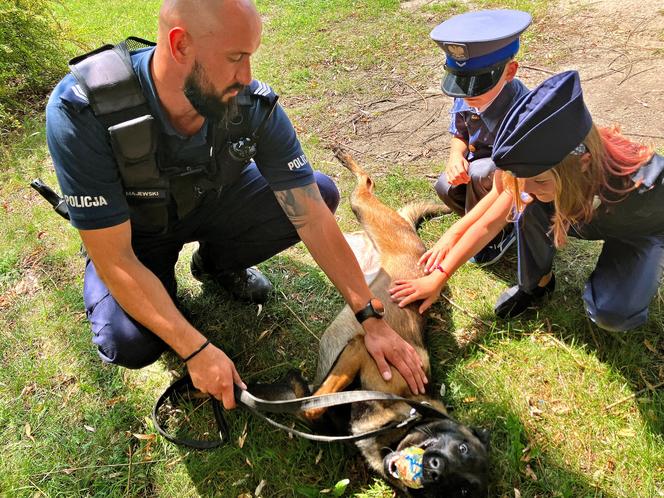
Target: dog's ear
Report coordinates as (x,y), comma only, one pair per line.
(484,435)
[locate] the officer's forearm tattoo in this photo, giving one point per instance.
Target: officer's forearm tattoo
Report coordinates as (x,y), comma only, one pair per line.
(296,203)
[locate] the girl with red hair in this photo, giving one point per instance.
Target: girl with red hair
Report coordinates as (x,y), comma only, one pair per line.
(560,175)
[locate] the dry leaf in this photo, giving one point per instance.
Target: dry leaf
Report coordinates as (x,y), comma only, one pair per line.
(530,473)
(469,399)
(260,309)
(248,462)
(263,334)
(517,493)
(243,436)
(28,431)
(319,456)
(627,433)
(89,428)
(145,437)
(114,401)
(259,488)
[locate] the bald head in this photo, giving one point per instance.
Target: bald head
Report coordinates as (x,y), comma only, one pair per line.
(205,17)
(203,53)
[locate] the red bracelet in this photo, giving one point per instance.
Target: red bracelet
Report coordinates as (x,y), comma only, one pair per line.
(439,267)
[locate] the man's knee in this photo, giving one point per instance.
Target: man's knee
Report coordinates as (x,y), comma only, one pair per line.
(119,339)
(328,190)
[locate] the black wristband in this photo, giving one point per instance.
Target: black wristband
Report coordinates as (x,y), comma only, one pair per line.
(207,341)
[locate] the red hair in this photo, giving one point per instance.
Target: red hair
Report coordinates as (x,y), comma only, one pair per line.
(622,158)
(606,174)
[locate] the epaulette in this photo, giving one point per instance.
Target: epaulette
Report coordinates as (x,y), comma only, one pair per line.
(76,97)
(256,89)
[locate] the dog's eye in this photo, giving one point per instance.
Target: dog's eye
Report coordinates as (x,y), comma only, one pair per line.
(463,448)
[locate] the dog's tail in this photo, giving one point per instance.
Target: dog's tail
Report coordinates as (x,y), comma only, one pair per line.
(415,212)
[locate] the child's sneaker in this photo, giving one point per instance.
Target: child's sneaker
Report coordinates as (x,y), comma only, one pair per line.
(495,249)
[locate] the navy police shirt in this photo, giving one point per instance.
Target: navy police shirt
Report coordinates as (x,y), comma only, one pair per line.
(479,130)
(85,164)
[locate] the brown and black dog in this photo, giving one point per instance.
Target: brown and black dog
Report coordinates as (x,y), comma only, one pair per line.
(455,457)
(455,460)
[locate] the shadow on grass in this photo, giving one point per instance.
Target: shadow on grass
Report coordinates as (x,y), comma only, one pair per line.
(638,354)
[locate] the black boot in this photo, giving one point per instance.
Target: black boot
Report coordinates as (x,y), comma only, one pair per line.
(245,285)
(515,301)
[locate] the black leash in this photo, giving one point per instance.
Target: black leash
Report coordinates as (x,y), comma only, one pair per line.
(259,407)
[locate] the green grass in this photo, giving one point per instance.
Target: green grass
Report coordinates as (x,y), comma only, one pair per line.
(70,426)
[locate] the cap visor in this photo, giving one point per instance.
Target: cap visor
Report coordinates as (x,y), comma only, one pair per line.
(462,85)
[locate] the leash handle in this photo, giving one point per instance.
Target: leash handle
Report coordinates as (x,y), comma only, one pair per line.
(178,387)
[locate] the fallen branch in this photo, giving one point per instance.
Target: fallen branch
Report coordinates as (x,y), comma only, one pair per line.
(634,395)
(535,68)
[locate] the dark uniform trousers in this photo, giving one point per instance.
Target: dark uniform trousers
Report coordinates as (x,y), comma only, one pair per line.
(624,281)
(241,227)
(463,198)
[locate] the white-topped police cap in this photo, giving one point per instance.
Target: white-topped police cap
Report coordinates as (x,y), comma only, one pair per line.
(478,45)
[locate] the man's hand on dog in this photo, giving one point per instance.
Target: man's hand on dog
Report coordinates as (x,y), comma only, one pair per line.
(425,288)
(214,373)
(387,347)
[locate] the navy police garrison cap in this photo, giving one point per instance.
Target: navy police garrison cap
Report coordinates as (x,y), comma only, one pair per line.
(478,45)
(543,127)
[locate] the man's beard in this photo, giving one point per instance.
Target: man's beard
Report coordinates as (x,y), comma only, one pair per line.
(207,102)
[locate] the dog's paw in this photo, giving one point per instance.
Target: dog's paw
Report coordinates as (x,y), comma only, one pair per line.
(314,414)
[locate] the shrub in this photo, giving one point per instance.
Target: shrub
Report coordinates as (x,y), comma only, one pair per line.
(32,57)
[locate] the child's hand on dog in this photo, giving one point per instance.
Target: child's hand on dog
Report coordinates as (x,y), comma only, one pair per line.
(435,256)
(425,288)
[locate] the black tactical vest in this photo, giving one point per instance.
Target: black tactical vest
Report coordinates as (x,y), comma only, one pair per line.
(159,190)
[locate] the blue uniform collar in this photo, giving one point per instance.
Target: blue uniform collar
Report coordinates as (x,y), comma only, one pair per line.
(493,116)
(141,62)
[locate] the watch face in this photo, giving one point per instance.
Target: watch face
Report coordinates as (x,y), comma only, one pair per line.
(377,305)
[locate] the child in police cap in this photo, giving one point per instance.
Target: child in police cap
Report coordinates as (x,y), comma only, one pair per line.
(561,175)
(480,74)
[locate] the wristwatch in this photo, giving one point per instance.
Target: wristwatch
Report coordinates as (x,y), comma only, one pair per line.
(373,309)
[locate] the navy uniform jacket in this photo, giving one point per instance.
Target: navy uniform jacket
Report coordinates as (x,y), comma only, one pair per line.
(479,130)
(85,164)
(640,213)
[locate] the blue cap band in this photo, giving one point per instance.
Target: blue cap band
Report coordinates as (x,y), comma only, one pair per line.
(485,61)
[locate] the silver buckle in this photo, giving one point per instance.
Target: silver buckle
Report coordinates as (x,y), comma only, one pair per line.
(579,150)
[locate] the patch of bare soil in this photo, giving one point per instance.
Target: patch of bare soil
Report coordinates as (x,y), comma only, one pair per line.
(618,48)
(616,45)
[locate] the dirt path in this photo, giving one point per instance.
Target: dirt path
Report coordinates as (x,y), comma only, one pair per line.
(616,45)
(618,48)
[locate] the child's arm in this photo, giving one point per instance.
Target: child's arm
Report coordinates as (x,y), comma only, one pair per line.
(456,169)
(473,232)
(434,256)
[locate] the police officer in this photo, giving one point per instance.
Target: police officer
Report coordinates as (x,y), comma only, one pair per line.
(480,74)
(138,189)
